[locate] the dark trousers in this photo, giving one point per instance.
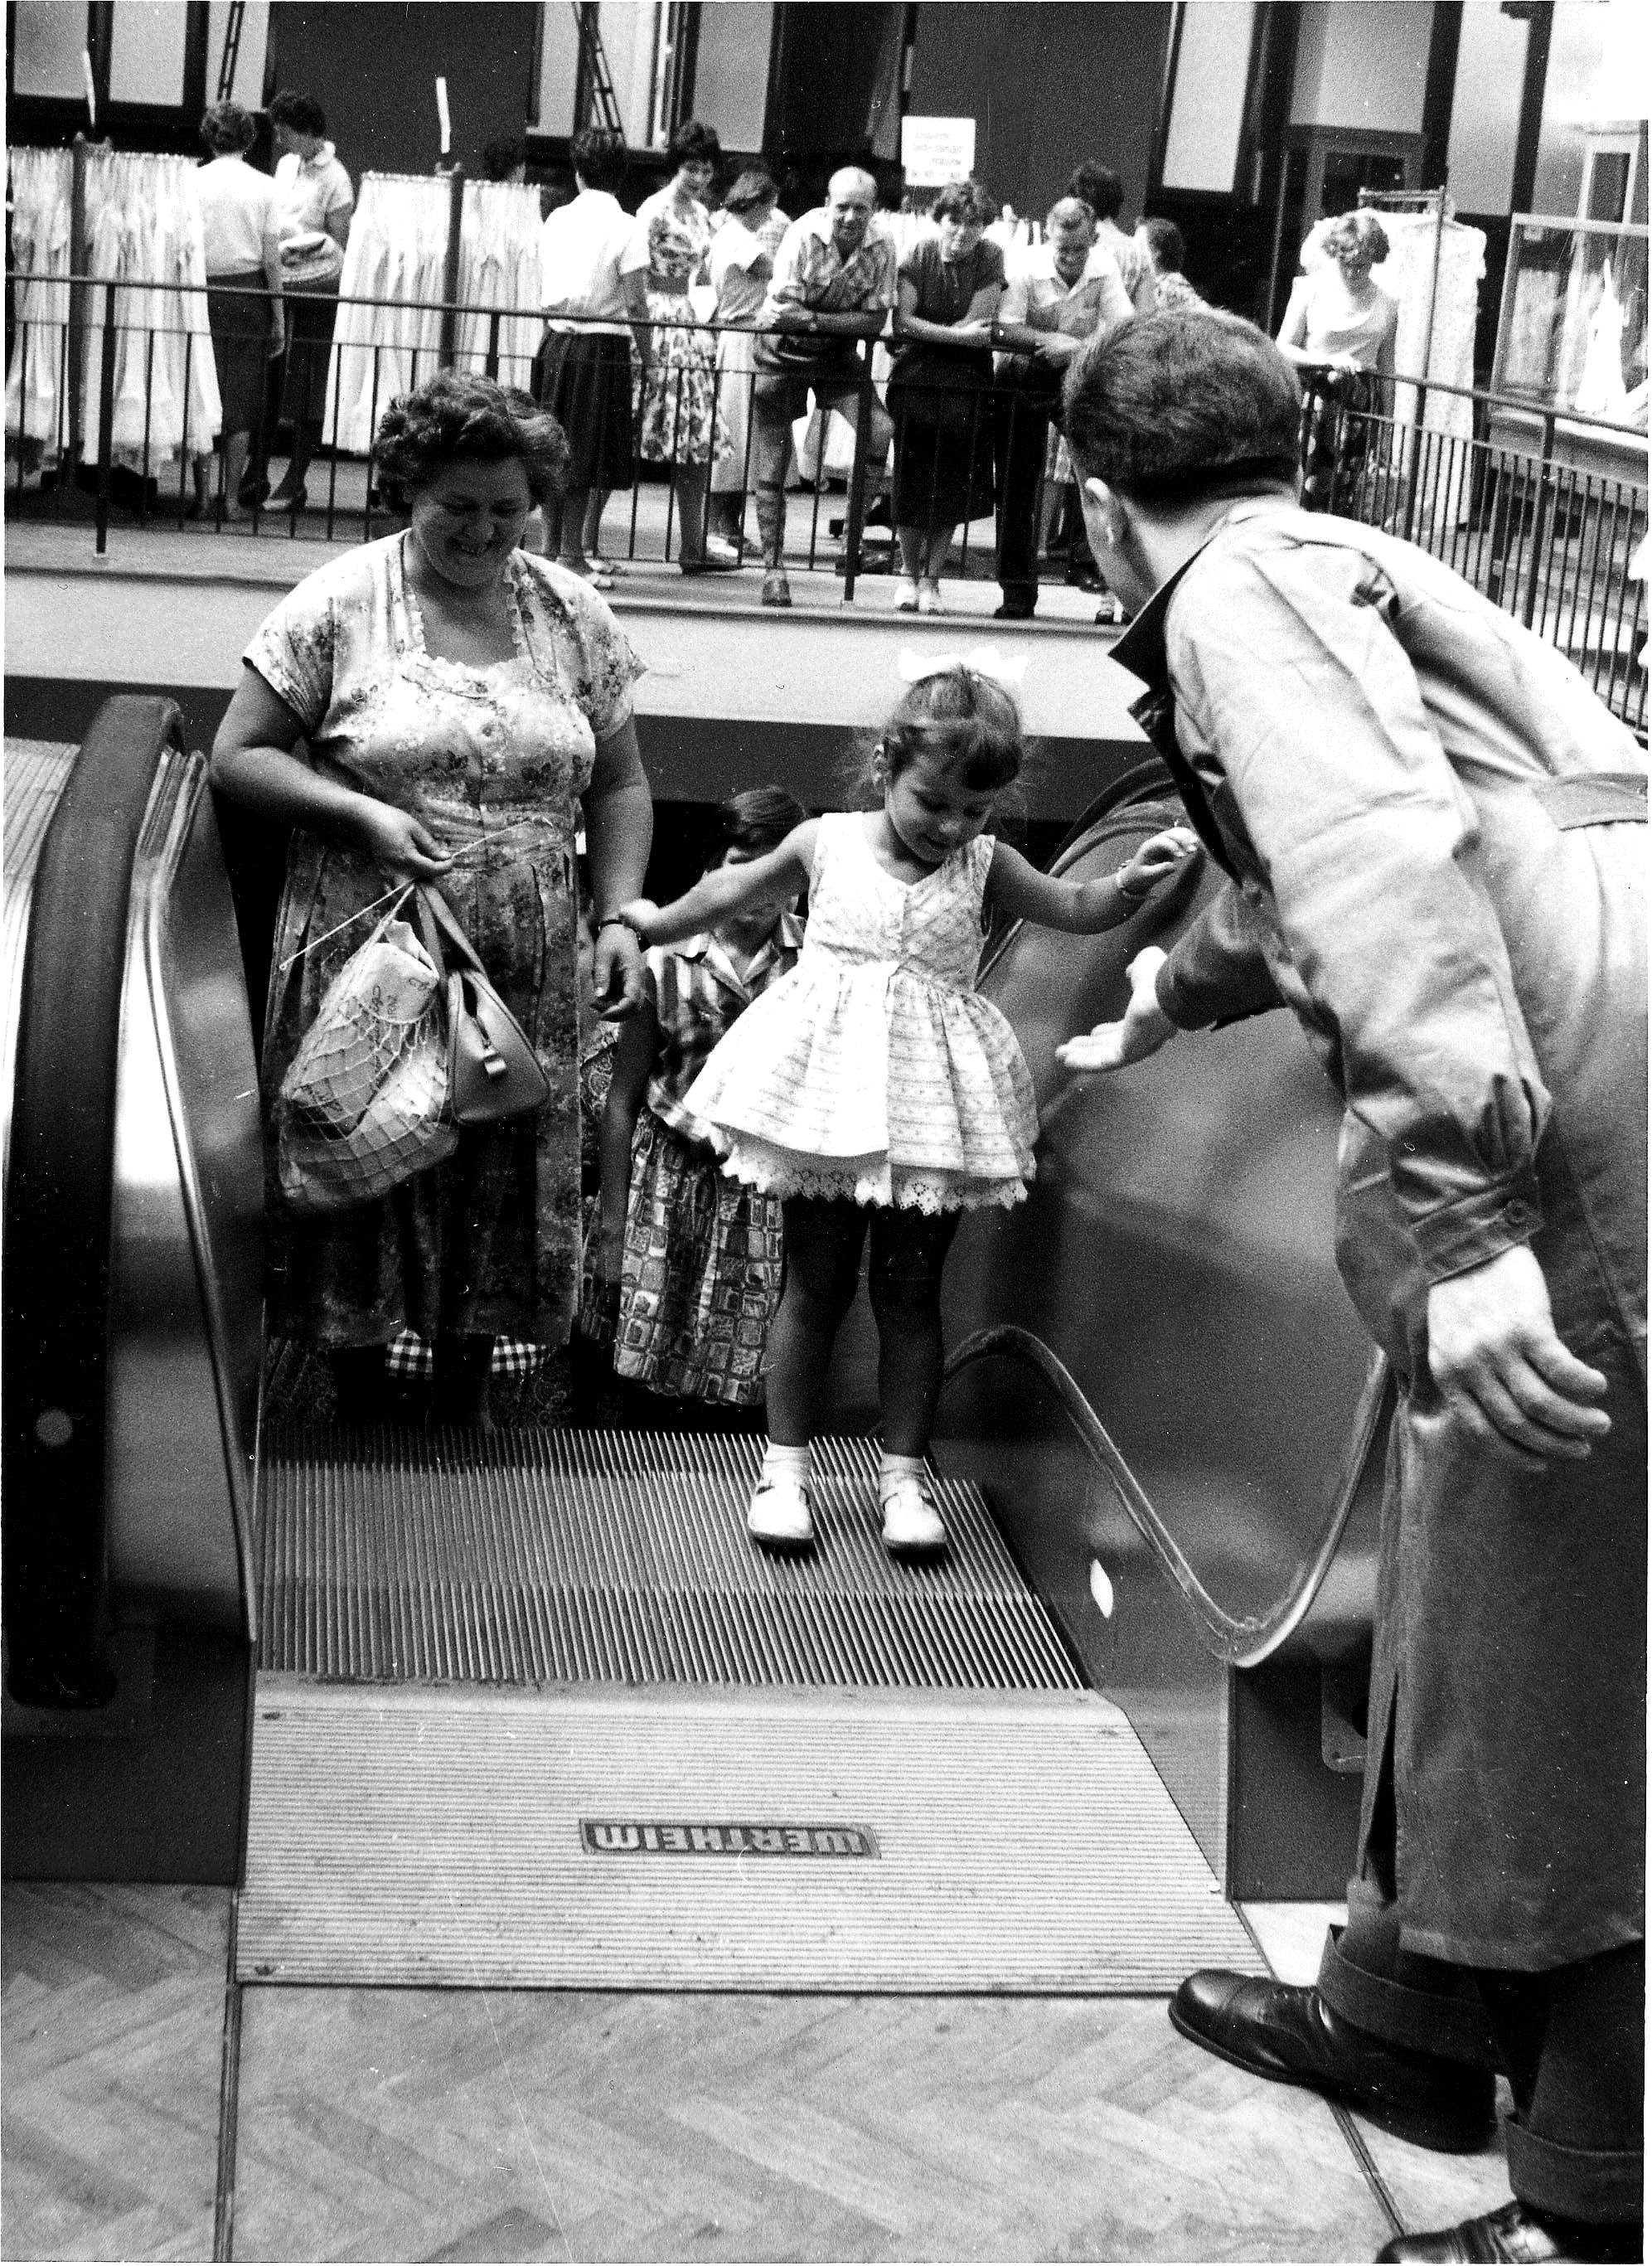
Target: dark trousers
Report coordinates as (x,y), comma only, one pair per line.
(1023,412)
(1569,2039)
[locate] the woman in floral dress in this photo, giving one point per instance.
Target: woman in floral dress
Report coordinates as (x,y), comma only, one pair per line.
(461,701)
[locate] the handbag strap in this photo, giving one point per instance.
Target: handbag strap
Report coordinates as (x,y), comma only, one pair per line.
(441,933)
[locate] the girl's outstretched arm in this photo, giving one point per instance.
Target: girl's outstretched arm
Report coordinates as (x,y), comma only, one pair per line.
(770,881)
(1082,908)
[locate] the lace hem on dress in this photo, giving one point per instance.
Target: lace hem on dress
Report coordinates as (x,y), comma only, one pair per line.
(783,1172)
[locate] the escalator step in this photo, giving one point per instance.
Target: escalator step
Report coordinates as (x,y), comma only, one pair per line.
(542,1557)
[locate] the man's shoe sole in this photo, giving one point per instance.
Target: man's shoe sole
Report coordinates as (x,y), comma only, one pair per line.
(1420,2131)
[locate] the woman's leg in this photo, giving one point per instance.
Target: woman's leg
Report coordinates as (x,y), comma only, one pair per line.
(564,527)
(235,465)
(909,1249)
(690,481)
(360,1384)
(935,559)
(596,502)
(823,1267)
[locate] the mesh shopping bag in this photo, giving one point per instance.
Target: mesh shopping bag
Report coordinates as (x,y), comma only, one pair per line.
(364,1105)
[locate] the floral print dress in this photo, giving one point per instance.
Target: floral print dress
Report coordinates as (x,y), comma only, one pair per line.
(675,397)
(493,761)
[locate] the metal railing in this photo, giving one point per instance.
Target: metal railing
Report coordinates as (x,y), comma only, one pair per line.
(1547,532)
(1541,510)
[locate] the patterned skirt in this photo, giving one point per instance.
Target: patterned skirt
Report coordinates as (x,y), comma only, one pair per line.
(1339,417)
(700,1277)
(676,398)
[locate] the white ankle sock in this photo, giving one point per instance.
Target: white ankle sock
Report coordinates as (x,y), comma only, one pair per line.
(795,1464)
(892,1468)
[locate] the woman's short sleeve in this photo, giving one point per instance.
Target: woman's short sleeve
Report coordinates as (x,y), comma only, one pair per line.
(292,650)
(608,663)
(989,263)
(917,262)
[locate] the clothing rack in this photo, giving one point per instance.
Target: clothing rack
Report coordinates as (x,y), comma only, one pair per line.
(1432,200)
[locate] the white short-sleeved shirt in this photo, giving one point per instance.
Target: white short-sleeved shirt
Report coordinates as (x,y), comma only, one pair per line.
(580,248)
(239,225)
(308,192)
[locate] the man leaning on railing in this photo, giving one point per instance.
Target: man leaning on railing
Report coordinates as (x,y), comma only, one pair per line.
(834,284)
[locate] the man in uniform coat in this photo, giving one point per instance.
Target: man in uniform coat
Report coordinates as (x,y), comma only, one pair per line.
(1434,835)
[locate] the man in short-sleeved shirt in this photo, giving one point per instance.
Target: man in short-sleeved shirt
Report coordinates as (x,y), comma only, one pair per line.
(835,283)
(1060,293)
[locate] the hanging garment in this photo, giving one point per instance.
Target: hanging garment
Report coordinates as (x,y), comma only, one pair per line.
(1405,276)
(40,187)
(143,234)
(499,268)
(397,261)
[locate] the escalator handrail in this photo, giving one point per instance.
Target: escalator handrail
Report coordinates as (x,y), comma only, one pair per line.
(154,875)
(59,1209)
(1239,1641)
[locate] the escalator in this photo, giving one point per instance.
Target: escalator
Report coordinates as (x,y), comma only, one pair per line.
(528,1708)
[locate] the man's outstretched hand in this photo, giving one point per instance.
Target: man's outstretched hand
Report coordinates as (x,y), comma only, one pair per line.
(1144,1030)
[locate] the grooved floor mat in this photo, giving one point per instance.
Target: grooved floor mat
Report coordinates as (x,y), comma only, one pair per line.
(542,1557)
(758,1841)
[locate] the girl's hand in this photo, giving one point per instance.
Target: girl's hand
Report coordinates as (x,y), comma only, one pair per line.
(640,915)
(1144,1030)
(616,973)
(401,844)
(1157,859)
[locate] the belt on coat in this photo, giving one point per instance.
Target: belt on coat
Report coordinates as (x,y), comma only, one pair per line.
(1595,798)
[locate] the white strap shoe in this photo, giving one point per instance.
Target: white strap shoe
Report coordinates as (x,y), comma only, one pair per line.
(912,1524)
(780,1512)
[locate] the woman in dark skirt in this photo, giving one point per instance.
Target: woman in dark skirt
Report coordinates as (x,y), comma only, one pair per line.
(316,201)
(950,285)
(241,241)
(583,370)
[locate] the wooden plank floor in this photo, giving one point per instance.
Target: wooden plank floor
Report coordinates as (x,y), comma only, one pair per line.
(502,2125)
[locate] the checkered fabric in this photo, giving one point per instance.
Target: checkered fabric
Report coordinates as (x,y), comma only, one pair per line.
(409,1358)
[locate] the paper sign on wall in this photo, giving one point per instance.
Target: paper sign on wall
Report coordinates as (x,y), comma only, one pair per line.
(937,150)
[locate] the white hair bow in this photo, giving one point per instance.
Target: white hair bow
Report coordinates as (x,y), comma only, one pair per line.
(1005,669)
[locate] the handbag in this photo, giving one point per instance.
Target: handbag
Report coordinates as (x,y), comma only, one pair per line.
(492,1071)
(364,1104)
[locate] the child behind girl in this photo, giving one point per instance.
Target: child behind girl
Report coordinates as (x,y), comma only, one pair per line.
(874,1087)
(694,1257)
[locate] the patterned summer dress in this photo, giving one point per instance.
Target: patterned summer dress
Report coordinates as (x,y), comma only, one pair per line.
(675,400)
(700,1276)
(493,761)
(875,1071)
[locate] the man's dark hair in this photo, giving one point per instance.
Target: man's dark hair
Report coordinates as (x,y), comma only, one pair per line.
(754,821)
(1100,187)
(301,113)
(694,145)
(1180,402)
(600,158)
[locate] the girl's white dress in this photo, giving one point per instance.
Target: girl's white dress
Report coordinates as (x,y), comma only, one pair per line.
(874,1071)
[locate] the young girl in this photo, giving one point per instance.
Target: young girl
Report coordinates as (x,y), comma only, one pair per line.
(874,1087)
(694,1257)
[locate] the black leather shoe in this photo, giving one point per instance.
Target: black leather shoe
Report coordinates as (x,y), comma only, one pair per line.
(1286,2032)
(1513,2232)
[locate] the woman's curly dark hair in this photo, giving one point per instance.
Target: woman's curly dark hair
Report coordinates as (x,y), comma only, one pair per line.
(227,130)
(456,418)
(967,200)
(1179,401)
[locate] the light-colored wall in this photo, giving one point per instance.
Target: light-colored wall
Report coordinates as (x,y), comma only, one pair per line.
(1207,104)
(1486,108)
(559,71)
(1598,64)
(730,78)
(48,42)
(1361,64)
(146,54)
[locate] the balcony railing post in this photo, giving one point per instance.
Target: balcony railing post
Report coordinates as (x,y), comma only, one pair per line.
(1539,509)
(105,419)
(855,521)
